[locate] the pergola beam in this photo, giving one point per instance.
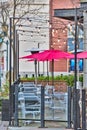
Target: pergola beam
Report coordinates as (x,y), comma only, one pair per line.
(68,14)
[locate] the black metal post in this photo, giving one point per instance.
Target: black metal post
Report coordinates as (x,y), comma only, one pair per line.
(52,72)
(35,62)
(69,107)
(83,109)
(17,54)
(18,57)
(38,62)
(14,52)
(47,71)
(42,107)
(10,87)
(78,109)
(16,104)
(75,80)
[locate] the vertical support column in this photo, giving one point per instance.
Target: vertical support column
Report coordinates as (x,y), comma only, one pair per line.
(17,55)
(83,109)
(42,107)
(78,108)
(69,107)
(16,104)
(75,109)
(10,87)
(18,59)
(75,78)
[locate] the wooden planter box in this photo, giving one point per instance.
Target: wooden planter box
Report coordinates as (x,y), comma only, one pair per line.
(60,86)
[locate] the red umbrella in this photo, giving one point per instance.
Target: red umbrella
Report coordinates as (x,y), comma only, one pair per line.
(49,55)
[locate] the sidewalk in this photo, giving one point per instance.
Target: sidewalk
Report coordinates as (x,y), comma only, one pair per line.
(35,128)
(4,125)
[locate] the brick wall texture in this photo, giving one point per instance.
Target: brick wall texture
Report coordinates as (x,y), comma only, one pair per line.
(58,30)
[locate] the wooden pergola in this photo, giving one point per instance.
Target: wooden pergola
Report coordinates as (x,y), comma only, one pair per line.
(69,14)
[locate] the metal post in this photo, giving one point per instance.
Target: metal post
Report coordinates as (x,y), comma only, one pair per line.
(47,71)
(75,80)
(52,72)
(42,107)
(17,55)
(69,107)
(18,58)
(78,108)
(16,104)
(83,109)
(10,90)
(35,62)
(14,52)
(38,62)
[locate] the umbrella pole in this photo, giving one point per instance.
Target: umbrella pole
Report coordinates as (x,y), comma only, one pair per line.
(53,85)
(52,72)
(35,62)
(43,68)
(47,72)
(78,74)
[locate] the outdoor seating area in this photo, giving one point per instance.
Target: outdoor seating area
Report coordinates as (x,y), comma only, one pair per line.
(43,63)
(30,102)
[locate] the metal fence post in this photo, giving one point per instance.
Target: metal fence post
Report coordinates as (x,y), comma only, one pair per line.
(16,104)
(78,108)
(69,107)
(42,107)
(10,78)
(83,109)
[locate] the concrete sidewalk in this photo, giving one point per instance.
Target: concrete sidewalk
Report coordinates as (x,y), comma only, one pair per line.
(4,125)
(35,128)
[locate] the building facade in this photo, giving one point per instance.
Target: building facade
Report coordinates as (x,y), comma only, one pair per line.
(31,20)
(59,31)
(39,29)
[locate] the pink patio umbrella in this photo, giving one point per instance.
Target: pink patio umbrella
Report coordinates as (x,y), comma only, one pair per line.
(49,55)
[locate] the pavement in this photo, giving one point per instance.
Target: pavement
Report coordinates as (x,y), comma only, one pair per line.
(4,125)
(34,128)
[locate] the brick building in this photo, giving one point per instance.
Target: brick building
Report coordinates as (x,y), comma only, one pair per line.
(59,31)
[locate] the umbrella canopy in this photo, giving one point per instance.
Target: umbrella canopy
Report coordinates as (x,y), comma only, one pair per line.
(49,55)
(82,55)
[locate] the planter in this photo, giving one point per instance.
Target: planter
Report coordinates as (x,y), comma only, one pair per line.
(60,86)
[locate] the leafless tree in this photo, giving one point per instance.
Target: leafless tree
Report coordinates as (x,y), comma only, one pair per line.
(16,9)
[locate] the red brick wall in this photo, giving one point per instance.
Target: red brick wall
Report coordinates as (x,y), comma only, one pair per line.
(58,30)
